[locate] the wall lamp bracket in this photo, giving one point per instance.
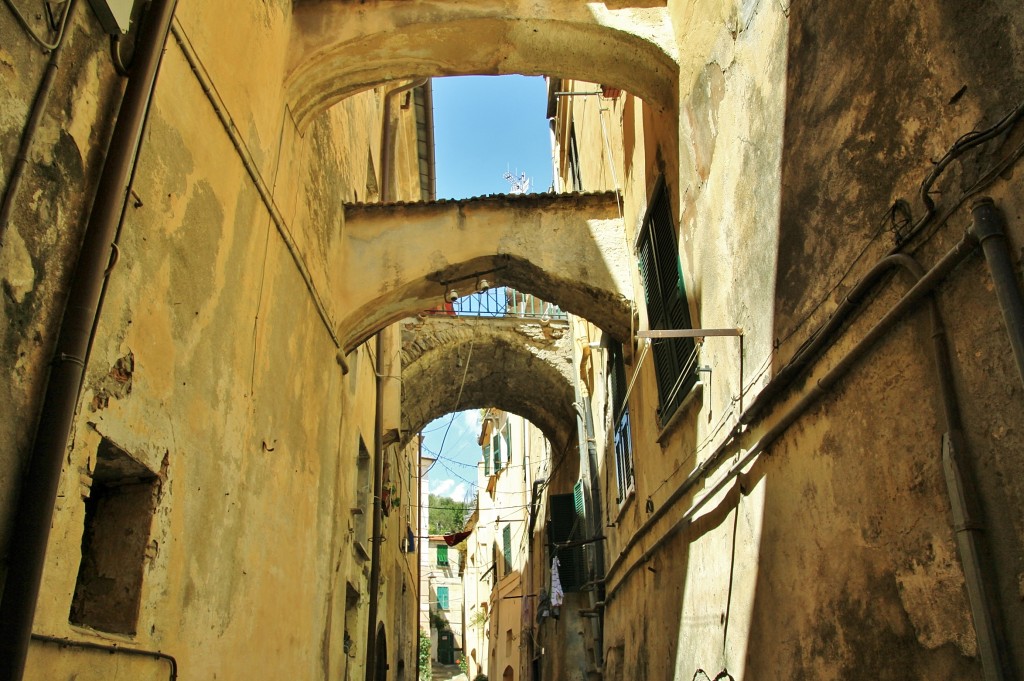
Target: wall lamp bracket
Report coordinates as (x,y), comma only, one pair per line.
(700,335)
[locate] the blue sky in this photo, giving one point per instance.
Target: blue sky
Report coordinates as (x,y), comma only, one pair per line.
(483,127)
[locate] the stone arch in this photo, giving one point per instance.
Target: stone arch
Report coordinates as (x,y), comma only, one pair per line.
(567,249)
(338,49)
(523,368)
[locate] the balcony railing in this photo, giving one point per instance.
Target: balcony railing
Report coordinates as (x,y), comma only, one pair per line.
(501,302)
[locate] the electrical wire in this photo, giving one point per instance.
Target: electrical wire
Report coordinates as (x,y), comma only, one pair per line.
(964,143)
(455,411)
(47,47)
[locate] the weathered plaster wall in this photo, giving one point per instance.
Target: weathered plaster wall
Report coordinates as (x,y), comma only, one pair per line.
(847,160)
(59,179)
(212,365)
(833,557)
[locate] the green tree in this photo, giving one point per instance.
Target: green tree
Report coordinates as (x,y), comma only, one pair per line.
(425,669)
(446,515)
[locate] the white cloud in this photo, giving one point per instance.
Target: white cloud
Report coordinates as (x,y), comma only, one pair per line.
(472,420)
(443,487)
(459,493)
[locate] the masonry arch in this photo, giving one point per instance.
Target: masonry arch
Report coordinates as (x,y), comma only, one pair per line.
(338,50)
(523,368)
(400,259)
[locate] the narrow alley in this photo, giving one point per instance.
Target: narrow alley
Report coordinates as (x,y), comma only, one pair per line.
(744,381)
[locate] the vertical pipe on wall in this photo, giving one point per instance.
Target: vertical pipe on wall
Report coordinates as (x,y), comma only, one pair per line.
(989,227)
(387,163)
(34,509)
(378,519)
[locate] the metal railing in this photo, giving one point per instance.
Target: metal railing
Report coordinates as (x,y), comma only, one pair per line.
(499,302)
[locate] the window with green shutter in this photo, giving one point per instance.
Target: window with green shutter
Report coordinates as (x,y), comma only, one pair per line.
(507,432)
(496,448)
(507,541)
(566,526)
(675,359)
(442,556)
(487,459)
(442,597)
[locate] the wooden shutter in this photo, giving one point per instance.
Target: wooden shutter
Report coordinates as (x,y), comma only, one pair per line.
(566,526)
(667,307)
(507,542)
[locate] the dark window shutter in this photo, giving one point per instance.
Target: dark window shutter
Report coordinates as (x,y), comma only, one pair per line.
(496,449)
(620,414)
(507,541)
(667,307)
(565,526)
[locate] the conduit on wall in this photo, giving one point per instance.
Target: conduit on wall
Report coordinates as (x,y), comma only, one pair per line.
(387,152)
(985,608)
(35,115)
(34,511)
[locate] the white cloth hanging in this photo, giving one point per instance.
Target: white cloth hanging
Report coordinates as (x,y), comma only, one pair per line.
(557,596)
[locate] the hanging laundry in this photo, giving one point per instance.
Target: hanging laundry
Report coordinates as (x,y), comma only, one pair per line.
(557,596)
(456,538)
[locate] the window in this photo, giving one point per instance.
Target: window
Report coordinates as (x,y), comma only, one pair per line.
(675,359)
(442,556)
(616,372)
(496,448)
(442,597)
(575,177)
(507,541)
(487,459)
(118,517)
(507,432)
(363,506)
(567,526)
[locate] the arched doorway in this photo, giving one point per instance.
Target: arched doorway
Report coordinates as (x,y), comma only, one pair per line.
(508,674)
(380,672)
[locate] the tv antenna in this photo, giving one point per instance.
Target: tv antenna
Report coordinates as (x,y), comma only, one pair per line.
(520,183)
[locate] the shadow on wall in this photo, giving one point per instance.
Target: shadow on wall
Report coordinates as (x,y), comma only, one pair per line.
(868,114)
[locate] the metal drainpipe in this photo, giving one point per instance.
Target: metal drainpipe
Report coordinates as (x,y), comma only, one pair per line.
(34,511)
(588,455)
(965,502)
(34,119)
(386,172)
(419,548)
(963,495)
(378,519)
(989,227)
(172,663)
